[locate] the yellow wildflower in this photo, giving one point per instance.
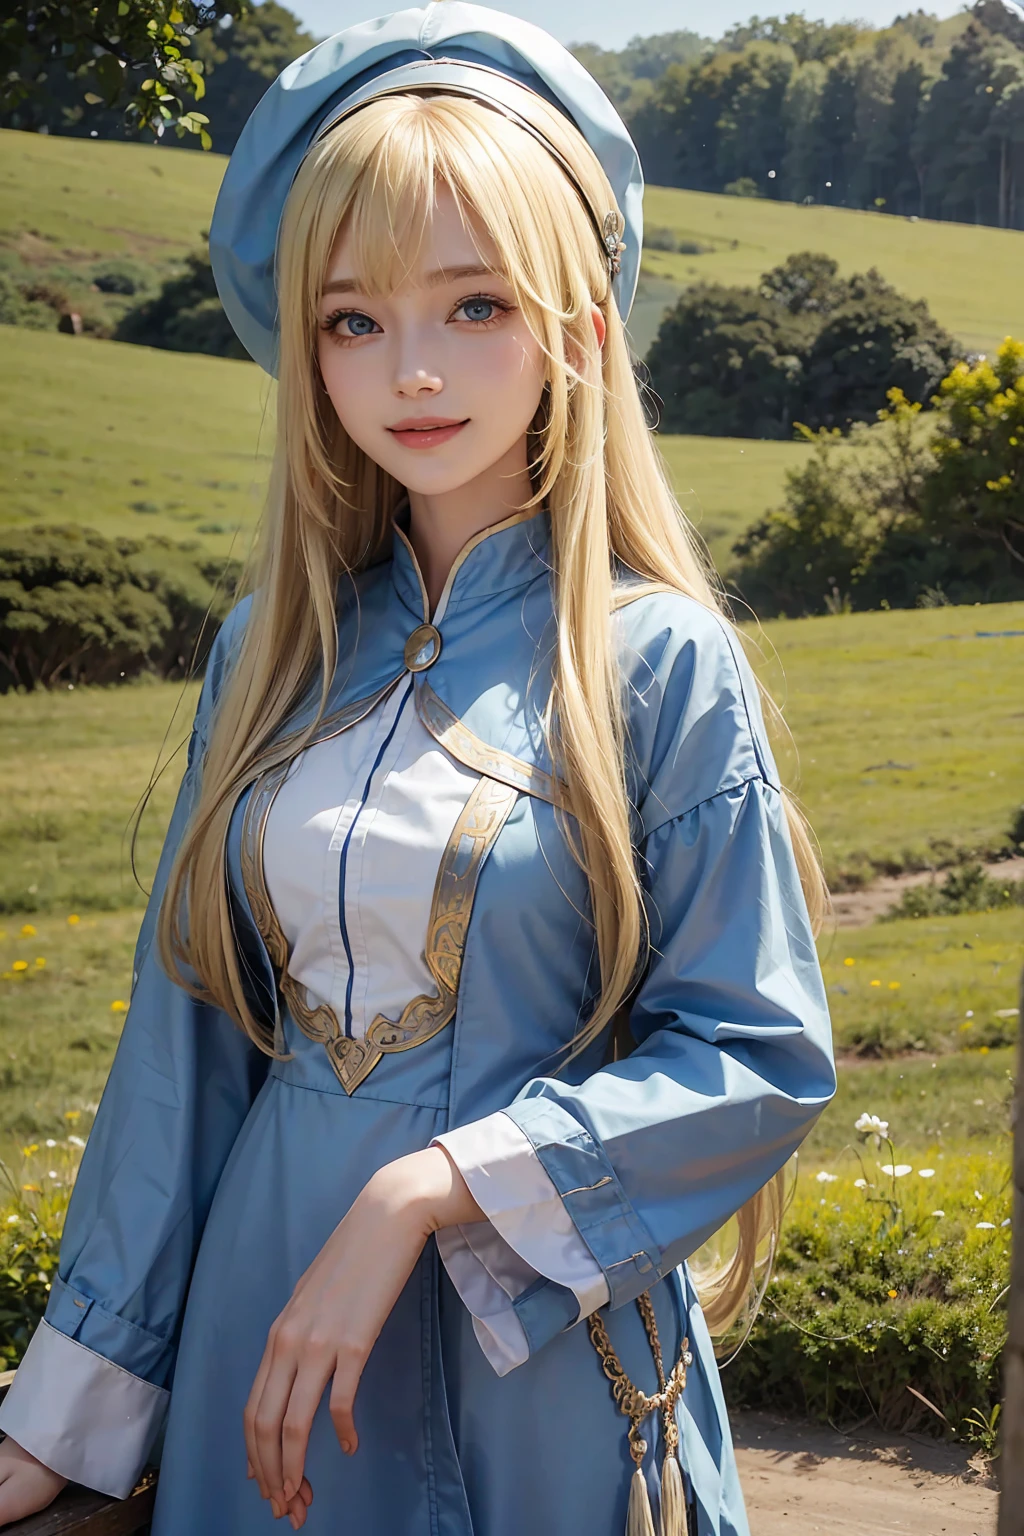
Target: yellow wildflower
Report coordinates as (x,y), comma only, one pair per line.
(117,1006)
(27,931)
(876,983)
(33,1146)
(74,918)
(983,1051)
(72,1115)
(849,961)
(40,962)
(33,1189)
(894,986)
(892,1295)
(20,965)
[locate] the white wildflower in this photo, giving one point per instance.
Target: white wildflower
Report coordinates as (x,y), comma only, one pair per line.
(985,1226)
(12,1221)
(76,1141)
(50,1142)
(938,1213)
(926,1173)
(860,1183)
(826,1178)
(897,1170)
(871,1125)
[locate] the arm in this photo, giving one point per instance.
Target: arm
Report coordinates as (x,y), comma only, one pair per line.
(91,1393)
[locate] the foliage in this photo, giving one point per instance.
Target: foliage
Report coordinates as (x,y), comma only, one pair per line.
(76,607)
(886,1291)
(32,1208)
(185,316)
(131,58)
(966,888)
(240,59)
(804,346)
(897,518)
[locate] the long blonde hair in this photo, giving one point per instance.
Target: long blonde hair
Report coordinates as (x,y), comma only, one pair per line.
(330,507)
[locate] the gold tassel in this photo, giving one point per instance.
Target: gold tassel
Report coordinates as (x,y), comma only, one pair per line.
(639,1519)
(673,1499)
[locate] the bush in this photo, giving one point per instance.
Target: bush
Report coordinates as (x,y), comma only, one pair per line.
(966,889)
(78,608)
(185,316)
(32,1209)
(897,1285)
(804,346)
(899,517)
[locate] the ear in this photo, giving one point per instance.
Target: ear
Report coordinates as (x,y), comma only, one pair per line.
(600,327)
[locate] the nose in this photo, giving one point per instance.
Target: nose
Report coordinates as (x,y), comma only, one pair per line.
(411,382)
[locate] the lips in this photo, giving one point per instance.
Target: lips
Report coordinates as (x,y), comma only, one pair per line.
(426,431)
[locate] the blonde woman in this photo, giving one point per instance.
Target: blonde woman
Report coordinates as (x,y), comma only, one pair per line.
(477,989)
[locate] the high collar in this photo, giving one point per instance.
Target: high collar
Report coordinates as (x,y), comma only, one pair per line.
(498,559)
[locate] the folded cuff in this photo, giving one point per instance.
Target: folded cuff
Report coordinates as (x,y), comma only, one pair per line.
(528,1235)
(85,1418)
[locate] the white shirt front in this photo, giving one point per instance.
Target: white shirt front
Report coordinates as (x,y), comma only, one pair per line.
(351,850)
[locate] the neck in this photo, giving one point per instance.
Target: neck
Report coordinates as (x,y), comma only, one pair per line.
(439,526)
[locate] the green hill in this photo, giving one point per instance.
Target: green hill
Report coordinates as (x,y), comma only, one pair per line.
(132,441)
(66,201)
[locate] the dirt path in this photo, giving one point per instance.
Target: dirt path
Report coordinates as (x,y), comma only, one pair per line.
(800,1480)
(853,909)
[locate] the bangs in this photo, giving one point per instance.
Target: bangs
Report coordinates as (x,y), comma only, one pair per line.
(376,180)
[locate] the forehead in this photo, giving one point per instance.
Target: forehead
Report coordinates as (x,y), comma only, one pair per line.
(446,235)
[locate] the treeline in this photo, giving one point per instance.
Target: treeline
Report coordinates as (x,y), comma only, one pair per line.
(924,118)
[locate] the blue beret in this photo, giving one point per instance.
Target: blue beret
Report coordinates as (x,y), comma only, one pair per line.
(447,43)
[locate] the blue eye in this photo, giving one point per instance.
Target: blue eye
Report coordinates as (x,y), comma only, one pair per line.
(478,309)
(358,325)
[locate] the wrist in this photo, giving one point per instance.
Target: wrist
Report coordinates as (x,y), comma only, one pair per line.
(425,1189)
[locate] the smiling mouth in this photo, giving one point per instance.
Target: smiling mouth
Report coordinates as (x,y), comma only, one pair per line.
(426,432)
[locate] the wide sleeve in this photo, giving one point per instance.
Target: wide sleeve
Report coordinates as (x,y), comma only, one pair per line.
(91,1393)
(732,1061)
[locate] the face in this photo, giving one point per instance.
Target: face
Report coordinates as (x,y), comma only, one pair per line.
(439,381)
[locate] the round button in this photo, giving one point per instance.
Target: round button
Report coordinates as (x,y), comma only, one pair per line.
(422,648)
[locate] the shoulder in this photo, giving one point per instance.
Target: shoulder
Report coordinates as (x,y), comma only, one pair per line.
(693,708)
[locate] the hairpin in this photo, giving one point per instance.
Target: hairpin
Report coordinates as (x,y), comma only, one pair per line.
(611,236)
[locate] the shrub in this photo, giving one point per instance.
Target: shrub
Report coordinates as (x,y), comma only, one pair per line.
(965,889)
(76,607)
(878,1290)
(803,346)
(33,1204)
(185,316)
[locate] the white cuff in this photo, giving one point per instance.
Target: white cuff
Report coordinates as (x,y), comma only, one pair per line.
(82,1416)
(529,1233)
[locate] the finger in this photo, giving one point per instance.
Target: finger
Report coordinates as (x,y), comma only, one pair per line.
(249,1417)
(307,1390)
(267,1422)
(347,1373)
(306,1492)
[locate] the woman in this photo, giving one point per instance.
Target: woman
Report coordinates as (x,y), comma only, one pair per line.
(477,988)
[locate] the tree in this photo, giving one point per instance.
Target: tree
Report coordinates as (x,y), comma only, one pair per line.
(896,515)
(727,362)
(240,59)
(185,316)
(804,346)
(133,56)
(875,340)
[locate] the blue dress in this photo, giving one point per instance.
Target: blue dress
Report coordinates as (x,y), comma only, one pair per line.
(213,1175)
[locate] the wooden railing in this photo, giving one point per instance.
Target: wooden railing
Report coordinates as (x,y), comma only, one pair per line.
(80,1512)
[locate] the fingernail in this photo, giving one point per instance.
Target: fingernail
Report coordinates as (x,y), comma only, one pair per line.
(248,1469)
(289,1490)
(295,1522)
(275,1509)
(346,1447)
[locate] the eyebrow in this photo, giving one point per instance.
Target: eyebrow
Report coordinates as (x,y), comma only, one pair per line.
(436,279)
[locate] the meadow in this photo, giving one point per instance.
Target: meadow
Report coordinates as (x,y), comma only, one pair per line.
(132,441)
(65,201)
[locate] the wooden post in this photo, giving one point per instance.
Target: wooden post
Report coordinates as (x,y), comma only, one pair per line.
(1011,1466)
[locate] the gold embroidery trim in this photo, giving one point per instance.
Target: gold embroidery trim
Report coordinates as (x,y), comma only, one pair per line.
(450,733)
(629,1398)
(475,833)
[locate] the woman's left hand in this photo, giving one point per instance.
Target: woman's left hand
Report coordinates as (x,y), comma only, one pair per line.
(335,1314)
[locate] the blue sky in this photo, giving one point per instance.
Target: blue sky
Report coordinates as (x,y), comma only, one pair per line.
(611,23)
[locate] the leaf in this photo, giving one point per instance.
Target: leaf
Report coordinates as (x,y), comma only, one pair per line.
(928,1403)
(204,139)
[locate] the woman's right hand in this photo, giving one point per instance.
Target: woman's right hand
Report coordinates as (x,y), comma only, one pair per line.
(26,1486)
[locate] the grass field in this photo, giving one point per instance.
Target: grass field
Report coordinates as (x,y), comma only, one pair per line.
(132,441)
(969,275)
(62,199)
